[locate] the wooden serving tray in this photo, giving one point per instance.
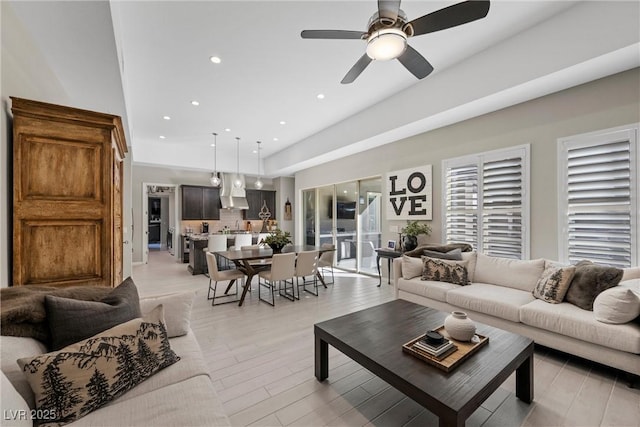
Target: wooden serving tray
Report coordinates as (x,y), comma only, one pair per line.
(448,363)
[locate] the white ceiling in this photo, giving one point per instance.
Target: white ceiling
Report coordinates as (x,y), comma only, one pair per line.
(268,74)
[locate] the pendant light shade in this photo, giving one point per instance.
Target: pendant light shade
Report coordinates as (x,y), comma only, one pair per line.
(237,182)
(258,183)
(215,179)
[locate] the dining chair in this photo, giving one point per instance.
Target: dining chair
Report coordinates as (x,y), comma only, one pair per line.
(306,268)
(325,262)
(216,276)
(242,240)
(217,243)
(283,269)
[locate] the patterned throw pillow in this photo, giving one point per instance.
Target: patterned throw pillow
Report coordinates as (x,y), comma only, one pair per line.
(445,271)
(72,382)
(554,283)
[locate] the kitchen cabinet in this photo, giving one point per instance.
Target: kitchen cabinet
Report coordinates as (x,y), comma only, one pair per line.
(255,199)
(200,202)
(210,203)
(197,256)
(67,195)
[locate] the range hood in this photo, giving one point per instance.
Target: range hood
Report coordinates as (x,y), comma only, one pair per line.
(230,196)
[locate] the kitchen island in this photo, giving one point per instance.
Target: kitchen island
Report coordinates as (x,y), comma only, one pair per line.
(198,244)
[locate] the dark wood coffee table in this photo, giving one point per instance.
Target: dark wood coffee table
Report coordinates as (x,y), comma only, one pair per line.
(374,338)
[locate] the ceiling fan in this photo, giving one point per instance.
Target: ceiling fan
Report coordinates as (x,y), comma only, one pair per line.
(389,30)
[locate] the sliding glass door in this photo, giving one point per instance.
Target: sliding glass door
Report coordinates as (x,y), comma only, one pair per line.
(348,216)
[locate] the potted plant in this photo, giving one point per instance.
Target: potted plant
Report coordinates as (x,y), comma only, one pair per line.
(278,239)
(411,232)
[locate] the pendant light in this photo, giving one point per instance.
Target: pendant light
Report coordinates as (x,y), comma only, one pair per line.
(215,179)
(258,183)
(237,183)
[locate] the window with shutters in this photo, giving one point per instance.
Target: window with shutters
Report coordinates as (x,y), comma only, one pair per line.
(598,197)
(487,202)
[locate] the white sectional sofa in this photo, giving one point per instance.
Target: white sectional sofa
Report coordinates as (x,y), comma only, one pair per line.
(180,395)
(500,294)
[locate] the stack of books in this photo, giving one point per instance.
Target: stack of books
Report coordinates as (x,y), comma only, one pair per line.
(438,351)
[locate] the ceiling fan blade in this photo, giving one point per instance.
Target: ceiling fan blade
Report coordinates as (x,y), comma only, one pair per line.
(451,16)
(388,9)
(415,63)
(332,34)
(356,70)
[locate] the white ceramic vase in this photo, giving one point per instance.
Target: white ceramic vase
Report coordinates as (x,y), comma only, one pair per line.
(459,326)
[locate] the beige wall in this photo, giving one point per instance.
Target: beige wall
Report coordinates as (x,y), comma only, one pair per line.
(604,103)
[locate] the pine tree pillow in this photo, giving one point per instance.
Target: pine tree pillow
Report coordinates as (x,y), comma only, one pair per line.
(441,270)
(554,284)
(80,378)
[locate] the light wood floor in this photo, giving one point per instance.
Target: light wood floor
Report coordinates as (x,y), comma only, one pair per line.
(261,361)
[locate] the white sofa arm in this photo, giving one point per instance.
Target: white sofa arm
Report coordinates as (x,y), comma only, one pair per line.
(397,273)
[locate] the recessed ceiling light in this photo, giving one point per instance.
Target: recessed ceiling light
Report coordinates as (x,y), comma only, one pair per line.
(227,130)
(283,122)
(215,59)
(162,137)
(255,151)
(166,117)
(320,96)
(196,103)
(275,139)
(213,145)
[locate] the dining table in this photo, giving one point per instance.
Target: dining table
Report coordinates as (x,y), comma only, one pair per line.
(252,261)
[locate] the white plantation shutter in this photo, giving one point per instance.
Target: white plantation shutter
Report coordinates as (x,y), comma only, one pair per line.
(487,202)
(462,204)
(502,185)
(599,197)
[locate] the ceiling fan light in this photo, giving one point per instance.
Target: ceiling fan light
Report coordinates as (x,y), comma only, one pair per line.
(386,44)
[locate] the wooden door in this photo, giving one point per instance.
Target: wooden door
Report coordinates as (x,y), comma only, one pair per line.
(67,212)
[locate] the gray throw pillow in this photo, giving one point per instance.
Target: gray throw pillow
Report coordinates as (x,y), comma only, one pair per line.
(73,320)
(454,254)
(589,281)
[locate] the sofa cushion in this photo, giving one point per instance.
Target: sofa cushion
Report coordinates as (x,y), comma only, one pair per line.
(453,254)
(620,304)
(471,266)
(12,349)
(427,288)
(15,411)
(498,301)
(189,403)
(511,273)
(630,273)
(72,320)
(411,267)
(84,376)
(442,270)
(177,310)
(554,283)
(588,281)
(570,320)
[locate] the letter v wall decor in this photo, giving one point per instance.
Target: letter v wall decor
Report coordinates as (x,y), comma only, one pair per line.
(409,194)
